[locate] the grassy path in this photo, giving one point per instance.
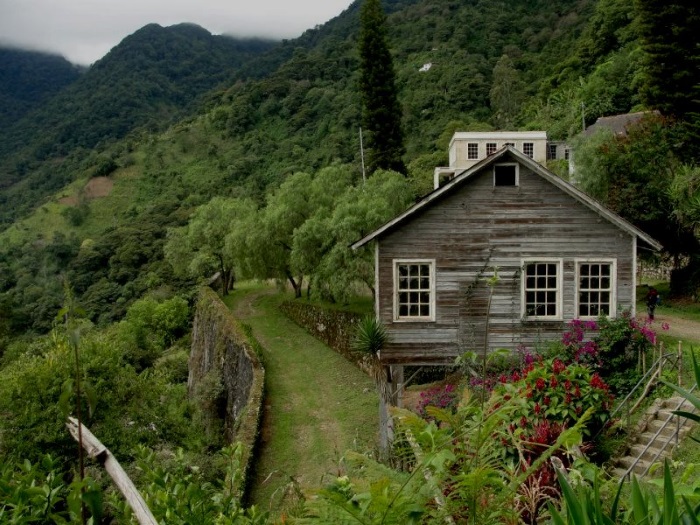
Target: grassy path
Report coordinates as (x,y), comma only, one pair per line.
(317,406)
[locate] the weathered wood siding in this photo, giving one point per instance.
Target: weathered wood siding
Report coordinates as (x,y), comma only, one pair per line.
(480,226)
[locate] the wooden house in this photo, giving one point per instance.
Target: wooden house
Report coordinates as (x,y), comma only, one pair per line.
(503,254)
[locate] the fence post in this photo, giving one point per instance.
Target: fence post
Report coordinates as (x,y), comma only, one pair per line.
(680,362)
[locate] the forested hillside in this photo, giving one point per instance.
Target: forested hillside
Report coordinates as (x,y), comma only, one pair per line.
(181,154)
(493,64)
(103,203)
(152,78)
(28,79)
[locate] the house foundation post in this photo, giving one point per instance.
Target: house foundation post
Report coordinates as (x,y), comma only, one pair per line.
(388,394)
(398,382)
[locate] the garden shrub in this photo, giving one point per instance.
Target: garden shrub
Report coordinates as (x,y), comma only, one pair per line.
(611,346)
(443,397)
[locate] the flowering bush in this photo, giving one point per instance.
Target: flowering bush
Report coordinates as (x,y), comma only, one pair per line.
(557,393)
(576,348)
(611,346)
(439,396)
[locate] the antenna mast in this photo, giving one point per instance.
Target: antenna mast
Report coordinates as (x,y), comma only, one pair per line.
(362,156)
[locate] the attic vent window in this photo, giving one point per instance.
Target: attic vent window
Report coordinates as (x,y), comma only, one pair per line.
(472,150)
(505,175)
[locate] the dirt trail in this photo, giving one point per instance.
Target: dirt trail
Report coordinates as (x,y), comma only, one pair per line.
(677,326)
(317,404)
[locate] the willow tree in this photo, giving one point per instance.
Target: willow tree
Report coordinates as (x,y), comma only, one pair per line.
(200,248)
(381,112)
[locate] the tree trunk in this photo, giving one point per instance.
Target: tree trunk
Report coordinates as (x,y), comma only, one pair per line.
(296,285)
(225,281)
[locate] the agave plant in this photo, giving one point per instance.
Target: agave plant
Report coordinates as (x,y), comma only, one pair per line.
(370,336)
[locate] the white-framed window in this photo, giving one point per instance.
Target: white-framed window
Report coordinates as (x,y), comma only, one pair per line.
(472,150)
(596,285)
(414,290)
(506,174)
(542,289)
(491,148)
(529,149)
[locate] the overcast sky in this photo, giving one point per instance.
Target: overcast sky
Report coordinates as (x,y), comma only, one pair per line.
(85,30)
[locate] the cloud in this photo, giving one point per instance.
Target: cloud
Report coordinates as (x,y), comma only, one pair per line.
(85,30)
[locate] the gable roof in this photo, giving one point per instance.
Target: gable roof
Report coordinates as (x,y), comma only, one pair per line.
(618,124)
(536,167)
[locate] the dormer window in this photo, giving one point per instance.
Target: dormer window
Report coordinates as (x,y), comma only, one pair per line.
(505,174)
(473,150)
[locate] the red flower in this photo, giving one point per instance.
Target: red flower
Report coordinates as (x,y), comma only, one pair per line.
(567,385)
(537,408)
(597,382)
(540,383)
(547,400)
(568,398)
(558,366)
(553,382)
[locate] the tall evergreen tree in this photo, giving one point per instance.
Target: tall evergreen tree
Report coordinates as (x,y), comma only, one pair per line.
(507,93)
(672,70)
(381,112)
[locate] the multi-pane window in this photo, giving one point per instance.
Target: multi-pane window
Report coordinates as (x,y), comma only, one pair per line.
(552,151)
(491,148)
(529,149)
(472,150)
(595,289)
(567,153)
(415,290)
(541,289)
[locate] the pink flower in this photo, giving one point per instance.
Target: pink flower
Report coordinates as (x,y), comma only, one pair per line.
(665,326)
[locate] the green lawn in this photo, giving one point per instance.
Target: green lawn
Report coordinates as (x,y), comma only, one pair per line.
(318,405)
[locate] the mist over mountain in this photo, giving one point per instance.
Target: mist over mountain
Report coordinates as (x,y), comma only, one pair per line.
(148,80)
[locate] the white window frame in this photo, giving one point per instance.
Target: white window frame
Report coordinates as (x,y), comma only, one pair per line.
(491,148)
(558,316)
(613,285)
(472,146)
(531,146)
(407,318)
(517,173)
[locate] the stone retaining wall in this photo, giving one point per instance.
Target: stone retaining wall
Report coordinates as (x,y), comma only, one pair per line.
(226,376)
(336,329)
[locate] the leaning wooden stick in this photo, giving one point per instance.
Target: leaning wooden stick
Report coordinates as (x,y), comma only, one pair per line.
(95,449)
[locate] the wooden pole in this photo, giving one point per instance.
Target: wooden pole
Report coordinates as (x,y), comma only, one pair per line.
(95,449)
(680,363)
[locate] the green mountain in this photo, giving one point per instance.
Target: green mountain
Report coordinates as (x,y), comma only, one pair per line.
(107,166)
(28,79)
(152,78)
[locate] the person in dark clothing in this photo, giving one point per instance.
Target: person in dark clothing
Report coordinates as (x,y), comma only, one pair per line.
(652,299)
